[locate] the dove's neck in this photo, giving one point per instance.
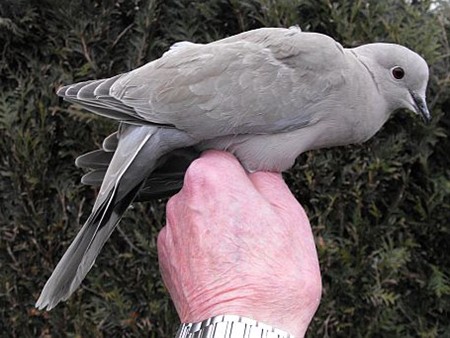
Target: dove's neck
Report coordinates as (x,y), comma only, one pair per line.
(378,109)
(365,62)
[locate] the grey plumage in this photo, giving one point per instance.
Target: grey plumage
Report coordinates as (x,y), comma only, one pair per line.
(265,95)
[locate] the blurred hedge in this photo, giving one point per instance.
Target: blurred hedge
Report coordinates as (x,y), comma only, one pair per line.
(380,211)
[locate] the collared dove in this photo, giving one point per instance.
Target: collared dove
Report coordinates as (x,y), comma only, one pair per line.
(265,95)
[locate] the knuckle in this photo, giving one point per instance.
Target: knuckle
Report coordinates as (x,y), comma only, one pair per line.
(313,285)
(201,173)
(160,241)
(211,170)
(172,211)
(171,204)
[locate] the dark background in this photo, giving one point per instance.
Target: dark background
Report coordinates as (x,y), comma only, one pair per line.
(380,210)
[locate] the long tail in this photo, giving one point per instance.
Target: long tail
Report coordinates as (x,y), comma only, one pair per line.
(138,152)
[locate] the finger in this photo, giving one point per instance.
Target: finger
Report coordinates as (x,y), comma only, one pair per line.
(272,187)
(216,166)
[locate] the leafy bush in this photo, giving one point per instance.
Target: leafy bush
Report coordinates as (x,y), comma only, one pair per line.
(380,211)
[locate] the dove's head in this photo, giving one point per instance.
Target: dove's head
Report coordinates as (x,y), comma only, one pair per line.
(400,74)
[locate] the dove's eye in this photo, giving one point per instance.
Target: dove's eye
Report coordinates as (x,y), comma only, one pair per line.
(398,73)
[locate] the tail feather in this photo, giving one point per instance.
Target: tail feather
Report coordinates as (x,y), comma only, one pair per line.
(110,143)
(160,186)
(166,180)
(96,159)
(94,177)
(156,186)
(136,156)
(65,279)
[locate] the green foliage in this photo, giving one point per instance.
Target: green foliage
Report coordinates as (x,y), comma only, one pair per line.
(380,211)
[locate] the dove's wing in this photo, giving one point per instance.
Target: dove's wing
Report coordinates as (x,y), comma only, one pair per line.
(258,82)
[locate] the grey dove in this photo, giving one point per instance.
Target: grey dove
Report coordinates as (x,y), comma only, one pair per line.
(265,95)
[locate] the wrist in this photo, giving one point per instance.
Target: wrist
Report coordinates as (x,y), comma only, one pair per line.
(292,315)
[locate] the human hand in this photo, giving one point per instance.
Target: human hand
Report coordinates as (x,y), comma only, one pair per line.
(239,243)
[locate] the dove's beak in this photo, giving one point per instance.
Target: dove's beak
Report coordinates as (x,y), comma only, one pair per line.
(421,107)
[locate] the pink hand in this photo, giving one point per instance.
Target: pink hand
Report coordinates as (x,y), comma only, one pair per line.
(239,243)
